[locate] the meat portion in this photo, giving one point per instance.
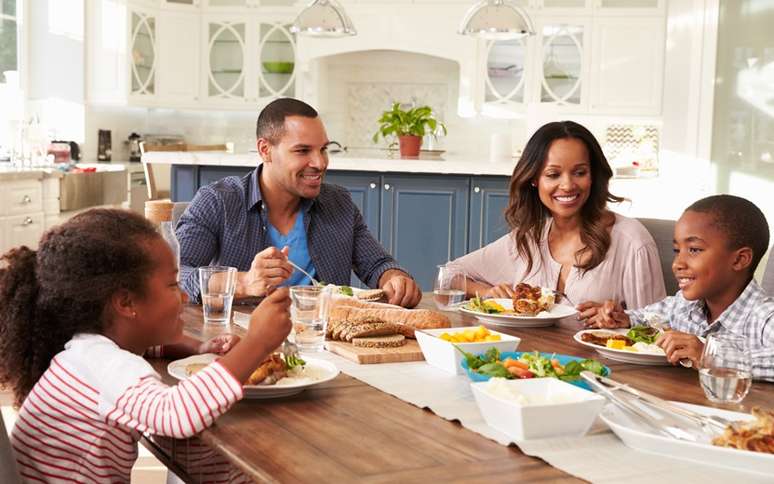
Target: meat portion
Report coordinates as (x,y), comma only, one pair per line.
(600,339)
(271,370)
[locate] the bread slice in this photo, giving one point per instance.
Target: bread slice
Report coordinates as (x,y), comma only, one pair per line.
(391,341)
(371,329)
(370,295)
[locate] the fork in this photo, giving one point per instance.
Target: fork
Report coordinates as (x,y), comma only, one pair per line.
(314,281)
(290,351)
(662,326)
(564,296)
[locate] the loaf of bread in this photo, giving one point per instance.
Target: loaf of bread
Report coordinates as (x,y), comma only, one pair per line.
(407,319)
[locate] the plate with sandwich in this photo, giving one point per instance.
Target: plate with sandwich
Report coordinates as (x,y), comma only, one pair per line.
(367,295)
(530,307)
(273,378)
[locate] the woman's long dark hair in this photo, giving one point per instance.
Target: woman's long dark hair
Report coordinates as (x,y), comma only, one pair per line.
(64,288)
(526,215)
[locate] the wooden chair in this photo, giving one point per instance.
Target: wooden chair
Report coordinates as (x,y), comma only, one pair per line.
(8,473)
(663,232)
(150,180)
(177,211)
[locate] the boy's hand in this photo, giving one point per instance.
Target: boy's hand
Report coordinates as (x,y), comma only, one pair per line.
(609,314)
(270,321)
(220,344)
(678,346)
(504,291)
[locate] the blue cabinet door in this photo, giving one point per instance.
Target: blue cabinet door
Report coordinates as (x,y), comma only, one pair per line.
(488,200)
(424,221)
(365,190)
(184,181)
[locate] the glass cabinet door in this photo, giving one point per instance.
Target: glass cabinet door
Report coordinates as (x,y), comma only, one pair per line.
(505,71)
(143,54)
(562,60)
(277,54)
(226,72)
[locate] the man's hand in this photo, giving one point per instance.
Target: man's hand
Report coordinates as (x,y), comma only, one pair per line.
(678,346)
(220,344)
(400,289)
(499,291)
(269,269)
(609,314)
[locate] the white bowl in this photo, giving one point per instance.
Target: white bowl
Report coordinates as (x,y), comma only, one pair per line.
(573,417)
(443,355)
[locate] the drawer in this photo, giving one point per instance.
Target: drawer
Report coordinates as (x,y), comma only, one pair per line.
(21,198)
(22,230)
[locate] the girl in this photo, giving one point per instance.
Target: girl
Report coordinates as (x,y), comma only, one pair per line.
(77,316)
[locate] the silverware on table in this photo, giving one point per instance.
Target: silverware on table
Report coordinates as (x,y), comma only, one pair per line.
(314,281)
(662,326)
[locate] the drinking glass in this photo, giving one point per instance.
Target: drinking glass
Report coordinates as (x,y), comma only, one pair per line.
(725,369)
(309,307)
(449,288)
(217,284)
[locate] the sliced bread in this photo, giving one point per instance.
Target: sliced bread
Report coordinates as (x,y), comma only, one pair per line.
(391,341)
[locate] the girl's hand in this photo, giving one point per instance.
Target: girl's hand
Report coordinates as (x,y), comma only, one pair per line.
(270,321)
(678,345)
(504,291)
(220,344)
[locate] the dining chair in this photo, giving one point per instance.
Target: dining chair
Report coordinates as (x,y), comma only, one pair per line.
(663,232)
(177,211)
(150,179)
(8,471)
(767,281)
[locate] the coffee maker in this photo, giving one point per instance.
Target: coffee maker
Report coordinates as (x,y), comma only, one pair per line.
(134,147)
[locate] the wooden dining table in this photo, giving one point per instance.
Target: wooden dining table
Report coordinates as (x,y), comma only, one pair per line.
(345,430)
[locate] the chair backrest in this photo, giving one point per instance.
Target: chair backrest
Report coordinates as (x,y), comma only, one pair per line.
(177,211)
(150,179)
(8,471)
(767,282)
(663,232)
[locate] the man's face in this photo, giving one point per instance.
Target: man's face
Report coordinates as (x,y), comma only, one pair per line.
(298,161)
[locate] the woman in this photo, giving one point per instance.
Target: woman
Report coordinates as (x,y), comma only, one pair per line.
(562,235)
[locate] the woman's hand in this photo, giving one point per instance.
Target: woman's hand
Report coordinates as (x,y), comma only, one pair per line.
(220,344)
(678,346)
(609,314)
(499,291)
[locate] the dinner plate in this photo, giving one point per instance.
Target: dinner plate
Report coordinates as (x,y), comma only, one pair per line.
(621,355)
(327,370)
(639,436)
(563,360)
(542,319)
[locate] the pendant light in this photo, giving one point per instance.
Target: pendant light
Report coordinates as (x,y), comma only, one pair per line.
(323,18)
(496,20)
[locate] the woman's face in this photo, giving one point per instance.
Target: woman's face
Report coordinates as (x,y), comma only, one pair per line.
(564,182)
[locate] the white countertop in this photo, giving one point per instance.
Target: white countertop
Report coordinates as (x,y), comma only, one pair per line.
(354,160)
(9,172)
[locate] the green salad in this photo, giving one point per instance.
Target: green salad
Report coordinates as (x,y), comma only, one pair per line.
(529,365)
(643,334)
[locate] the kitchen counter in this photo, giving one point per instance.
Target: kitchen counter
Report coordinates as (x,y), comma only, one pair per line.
(373,160)
(9,172)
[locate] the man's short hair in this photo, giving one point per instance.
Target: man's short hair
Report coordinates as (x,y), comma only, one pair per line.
(271,121)
(742,222)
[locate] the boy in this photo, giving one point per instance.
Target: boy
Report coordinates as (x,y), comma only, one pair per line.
(718,243)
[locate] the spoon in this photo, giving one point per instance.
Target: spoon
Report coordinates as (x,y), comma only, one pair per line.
(314,281)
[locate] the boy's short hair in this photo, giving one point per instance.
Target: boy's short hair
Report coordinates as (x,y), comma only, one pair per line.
(271,121)
(740,220)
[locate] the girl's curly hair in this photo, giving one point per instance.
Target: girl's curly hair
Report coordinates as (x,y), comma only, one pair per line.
(64,288)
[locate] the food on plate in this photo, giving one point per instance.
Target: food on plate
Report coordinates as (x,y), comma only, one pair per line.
(634,341)
(362,295)
(350,319)
(479,335)
(194,367)
(530,300)
(529,365)
(486,306)
(756,435)
(273,369)
(391,341)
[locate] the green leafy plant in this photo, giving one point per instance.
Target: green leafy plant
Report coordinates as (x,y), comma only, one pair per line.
(417,121)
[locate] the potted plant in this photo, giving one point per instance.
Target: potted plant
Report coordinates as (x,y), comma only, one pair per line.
(409,126)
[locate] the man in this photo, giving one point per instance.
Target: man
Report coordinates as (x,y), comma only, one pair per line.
(281,212)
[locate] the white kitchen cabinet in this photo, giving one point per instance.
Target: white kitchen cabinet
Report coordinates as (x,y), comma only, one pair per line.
(628,65)
(179,66)
(629,7)
(506,81)
(21,214)
(277,53)
(226,60)
(181,4)
(143,54)
(22,230)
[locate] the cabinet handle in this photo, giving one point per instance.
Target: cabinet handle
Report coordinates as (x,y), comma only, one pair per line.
(372,185)
(26,199)
(386,186)
(476,189)
(27,221)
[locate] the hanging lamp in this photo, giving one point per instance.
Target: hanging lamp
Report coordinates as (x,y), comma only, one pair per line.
(323,18)
(496,20)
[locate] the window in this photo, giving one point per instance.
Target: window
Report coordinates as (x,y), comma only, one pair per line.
(9,39)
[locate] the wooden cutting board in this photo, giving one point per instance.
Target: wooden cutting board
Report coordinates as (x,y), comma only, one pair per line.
(408,352)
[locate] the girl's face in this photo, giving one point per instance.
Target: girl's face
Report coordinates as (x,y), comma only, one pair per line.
(564,183)
(158,313)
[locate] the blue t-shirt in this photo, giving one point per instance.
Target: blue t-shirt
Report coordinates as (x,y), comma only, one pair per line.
(299,250)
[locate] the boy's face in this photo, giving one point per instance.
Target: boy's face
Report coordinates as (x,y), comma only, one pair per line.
(704,264)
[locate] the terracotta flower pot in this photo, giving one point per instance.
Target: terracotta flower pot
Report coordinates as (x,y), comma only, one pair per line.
(409,145)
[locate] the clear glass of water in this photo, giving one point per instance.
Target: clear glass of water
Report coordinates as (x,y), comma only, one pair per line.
(217,284)
(725,369)
(449,288)
(309,306)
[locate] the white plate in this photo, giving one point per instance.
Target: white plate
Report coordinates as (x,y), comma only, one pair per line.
(639,436)
(281,389)
(545,318)
(621,355)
